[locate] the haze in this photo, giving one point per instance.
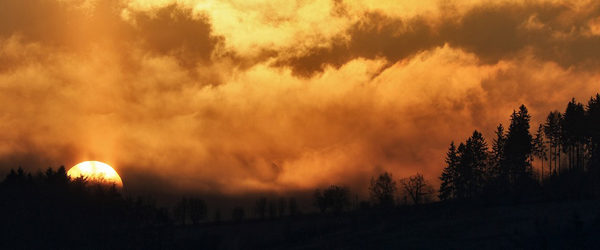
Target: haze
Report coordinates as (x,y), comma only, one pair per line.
(231,96)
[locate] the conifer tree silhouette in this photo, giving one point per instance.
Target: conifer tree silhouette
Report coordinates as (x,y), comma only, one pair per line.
(552,131)
(518,147)
(593,132)
(572,132)
(449,175)
(539,147)
(471,167)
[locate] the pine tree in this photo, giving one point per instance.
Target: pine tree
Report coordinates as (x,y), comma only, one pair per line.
(552,131)
(473,163)
(465,174)
(447,188)
(497,154)
(540,147)
(462,174)
(593,130)
(518,148)
(573,133)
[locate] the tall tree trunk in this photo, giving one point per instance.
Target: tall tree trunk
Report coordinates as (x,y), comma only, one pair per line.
(579,158)
(559,164)
(542,158)
(552,158)
(571,158)
(555,160)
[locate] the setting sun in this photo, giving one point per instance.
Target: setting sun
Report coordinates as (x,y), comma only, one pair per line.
(96,171)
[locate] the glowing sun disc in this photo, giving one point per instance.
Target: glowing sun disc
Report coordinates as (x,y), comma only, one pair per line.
(96,171)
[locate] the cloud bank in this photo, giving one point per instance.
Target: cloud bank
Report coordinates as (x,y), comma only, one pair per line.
(256,96)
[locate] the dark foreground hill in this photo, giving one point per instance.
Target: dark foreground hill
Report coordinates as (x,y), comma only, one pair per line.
(49,210)
(564,225)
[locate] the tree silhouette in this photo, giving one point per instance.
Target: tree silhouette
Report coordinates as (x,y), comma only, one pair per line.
(518,148)
(539,147)
(15,179)
(338,198)
(573,133)
(417,188)
(471,167)
(508,168)
(552,130)
(593,131)
(497,155)
(449,174)
(61,211)
(334,198)
(383,190)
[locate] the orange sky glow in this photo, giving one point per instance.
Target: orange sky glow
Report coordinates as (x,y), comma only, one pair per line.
(234,96)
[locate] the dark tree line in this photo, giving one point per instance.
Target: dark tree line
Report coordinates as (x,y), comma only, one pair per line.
(566,145)
(334,199)
(384,193)
(51,210)
(275,208)
(190,209)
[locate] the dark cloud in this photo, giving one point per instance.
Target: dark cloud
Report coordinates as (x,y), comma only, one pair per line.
(550,31)
(176,31)
(375,35)
(171,30)
(38,20)
(553,32)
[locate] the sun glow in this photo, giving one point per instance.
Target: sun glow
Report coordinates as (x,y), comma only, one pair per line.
(96,171)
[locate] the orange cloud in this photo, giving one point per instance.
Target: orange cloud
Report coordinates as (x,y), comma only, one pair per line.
(204,96)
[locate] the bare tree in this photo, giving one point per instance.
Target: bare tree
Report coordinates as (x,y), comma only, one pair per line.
(383,190)
(335,198)
(417,188)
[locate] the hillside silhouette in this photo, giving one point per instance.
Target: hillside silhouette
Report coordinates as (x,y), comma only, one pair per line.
(529,187)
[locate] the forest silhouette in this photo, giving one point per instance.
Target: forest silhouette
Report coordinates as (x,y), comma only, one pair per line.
(539,176)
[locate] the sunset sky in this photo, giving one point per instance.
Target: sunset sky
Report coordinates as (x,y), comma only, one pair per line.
(234,96)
